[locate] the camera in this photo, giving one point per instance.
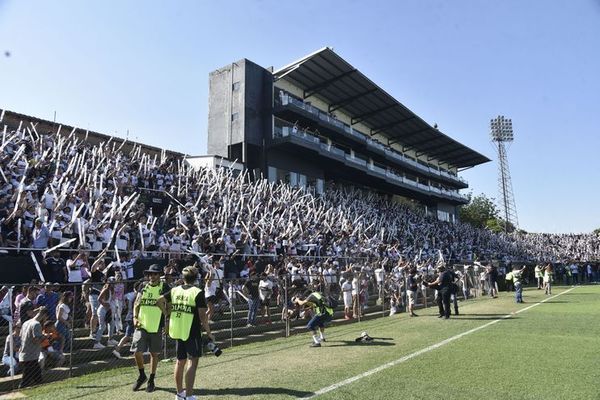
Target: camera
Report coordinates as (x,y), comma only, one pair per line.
(213,348)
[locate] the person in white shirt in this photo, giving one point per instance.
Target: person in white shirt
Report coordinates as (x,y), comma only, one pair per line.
(63,321)
(379,279)
(356,296)
(74,267)
(347,296)
(213,288)
(265,291)
(129,300)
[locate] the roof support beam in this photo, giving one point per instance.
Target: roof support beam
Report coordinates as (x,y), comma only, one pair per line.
(396,140)
(436,153)
(348,100)
(426,149)
(317,88)
(383,128)
(364,116)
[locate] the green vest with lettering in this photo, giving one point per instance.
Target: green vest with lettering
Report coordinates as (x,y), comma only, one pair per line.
(321,306)
(183,307)
(150,315)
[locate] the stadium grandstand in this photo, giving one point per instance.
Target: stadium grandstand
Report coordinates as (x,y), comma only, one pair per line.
(320,120)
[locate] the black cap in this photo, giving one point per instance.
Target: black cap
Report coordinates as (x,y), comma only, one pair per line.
(154,269)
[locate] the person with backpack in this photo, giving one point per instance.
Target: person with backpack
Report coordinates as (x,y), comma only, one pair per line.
(322,307)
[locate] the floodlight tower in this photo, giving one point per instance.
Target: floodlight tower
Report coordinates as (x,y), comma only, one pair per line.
(501,133)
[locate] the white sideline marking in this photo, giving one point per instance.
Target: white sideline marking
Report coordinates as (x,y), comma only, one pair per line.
(422,351)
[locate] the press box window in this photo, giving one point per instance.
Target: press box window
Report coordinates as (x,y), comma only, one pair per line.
(235,116)
(236,86)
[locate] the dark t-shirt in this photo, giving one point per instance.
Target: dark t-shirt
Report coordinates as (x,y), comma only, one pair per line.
(200,303)
(411,282)
(252,286)
(55,267)
(445,280)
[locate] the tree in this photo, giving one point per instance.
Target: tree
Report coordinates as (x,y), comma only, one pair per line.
(597,231)
(480,212)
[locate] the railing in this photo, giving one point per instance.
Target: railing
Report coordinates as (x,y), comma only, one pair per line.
(285,131)
(287,99)
(356,160)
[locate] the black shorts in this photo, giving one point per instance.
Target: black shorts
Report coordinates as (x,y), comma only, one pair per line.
(211,299)
(191,348)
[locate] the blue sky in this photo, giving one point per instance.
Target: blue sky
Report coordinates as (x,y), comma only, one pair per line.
(143,66)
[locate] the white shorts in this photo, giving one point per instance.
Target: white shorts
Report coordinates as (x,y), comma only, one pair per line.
(348,300)
(410,295)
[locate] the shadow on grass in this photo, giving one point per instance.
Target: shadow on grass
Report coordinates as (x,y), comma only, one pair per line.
(246,391)
(346,343)
(484,315)
(482,318)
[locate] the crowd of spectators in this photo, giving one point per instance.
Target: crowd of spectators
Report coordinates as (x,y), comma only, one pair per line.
(59,189)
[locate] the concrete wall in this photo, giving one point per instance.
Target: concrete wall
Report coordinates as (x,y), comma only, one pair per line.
(240,105)
(290,162)
(223,101)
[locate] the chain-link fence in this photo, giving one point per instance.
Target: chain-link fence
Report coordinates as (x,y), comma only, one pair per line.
(90,325)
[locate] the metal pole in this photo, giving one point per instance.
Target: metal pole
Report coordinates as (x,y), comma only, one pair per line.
(382,294)
(404,294)
(72,331)
(358,297)
(10,332)
(285,307)
(231,312)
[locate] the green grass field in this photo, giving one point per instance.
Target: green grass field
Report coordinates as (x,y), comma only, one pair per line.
(550,351)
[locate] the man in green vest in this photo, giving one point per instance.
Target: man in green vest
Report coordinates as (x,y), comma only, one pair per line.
(148,322)
(322,315)
(187,312)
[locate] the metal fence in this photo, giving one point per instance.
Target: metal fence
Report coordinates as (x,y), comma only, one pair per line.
(91,333)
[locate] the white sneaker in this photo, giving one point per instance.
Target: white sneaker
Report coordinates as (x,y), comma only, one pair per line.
(117,354)
(112,342)
(98,346)
(190,398)
(180,396)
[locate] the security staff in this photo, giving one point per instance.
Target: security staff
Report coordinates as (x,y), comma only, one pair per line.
(323,314)
(147,320)
(188,311)
(443,284)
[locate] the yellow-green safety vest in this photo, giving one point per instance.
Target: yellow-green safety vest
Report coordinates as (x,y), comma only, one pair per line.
(150,315)
(322,307)
(183,307)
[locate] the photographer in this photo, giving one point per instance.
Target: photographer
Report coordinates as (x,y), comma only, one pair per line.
(443,283)
(322,315)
